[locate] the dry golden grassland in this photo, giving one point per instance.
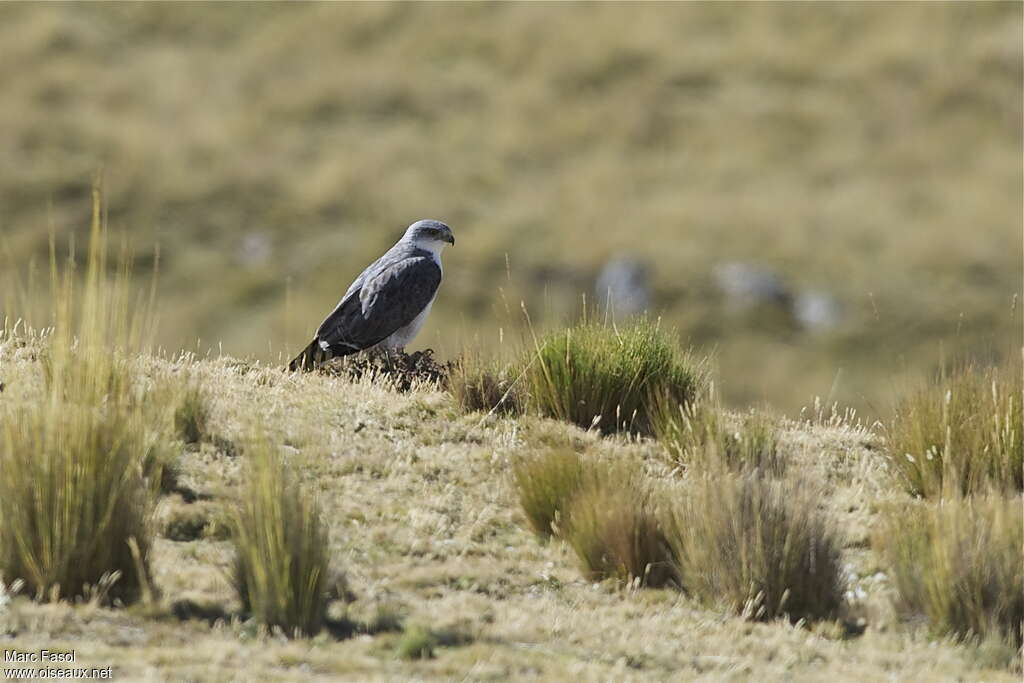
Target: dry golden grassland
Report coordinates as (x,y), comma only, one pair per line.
(187,519)
(868,150)
(425,526)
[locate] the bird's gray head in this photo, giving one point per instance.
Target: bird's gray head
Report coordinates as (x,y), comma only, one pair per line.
(430,235)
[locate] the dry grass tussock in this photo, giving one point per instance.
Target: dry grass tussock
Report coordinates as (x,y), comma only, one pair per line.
(546,483)
(758,547)
(192,415)
(282,562)
(612,525)
(962,433)
(959,563)
(72,498)
(605,510)
(82,451)
(755,546)
(704,438)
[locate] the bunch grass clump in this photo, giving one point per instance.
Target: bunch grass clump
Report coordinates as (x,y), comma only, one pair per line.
(192,415)
(282,566)
(78,460)
(612,525)
(760,547)
(72,497)
(604,511)
(960,564)
(606,377)
(416,642)
(961,434)
(702,437)
(546,483)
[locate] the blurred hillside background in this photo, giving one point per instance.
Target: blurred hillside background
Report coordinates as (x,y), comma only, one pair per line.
(829,195)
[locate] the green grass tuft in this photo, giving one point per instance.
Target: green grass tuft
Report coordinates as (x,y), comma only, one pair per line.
(282,566)
(546,483)
(960,564)
(416,642)
(601,376)
(961,434)
(759,547)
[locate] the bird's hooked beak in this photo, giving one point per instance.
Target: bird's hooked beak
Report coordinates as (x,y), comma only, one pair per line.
(450,239)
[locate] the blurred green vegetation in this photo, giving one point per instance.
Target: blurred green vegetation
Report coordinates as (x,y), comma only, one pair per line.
(870,151)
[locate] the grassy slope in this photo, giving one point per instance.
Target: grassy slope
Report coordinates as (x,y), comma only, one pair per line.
(868,150)
(423,520)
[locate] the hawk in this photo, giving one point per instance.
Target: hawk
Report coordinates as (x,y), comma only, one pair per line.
(387,304)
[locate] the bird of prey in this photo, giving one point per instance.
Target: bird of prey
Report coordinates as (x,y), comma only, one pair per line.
(387,304)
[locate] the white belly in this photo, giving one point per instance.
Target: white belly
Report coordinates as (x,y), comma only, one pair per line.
(403,336)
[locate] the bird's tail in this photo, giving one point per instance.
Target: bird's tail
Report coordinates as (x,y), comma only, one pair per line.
(310,358)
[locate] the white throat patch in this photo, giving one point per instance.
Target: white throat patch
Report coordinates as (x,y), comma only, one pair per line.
(433,246)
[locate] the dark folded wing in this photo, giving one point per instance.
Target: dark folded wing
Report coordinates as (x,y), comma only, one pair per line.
(388,300)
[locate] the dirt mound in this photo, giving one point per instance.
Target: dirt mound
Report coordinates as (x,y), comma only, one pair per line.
(403,370)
